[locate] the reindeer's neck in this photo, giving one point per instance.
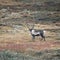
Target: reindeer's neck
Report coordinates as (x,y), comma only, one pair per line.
(34,32)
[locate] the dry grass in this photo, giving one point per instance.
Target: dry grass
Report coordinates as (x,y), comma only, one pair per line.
(22,41)
(18,45)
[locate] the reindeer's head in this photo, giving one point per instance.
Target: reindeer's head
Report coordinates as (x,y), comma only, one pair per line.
(30,27)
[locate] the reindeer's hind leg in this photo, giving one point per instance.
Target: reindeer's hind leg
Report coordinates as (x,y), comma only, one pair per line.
(43,37)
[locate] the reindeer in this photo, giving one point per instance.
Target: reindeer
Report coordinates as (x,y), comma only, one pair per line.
(36,32)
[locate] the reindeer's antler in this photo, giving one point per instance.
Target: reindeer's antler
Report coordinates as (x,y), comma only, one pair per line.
(30,25)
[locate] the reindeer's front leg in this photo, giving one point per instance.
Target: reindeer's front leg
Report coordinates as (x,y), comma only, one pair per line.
(42,36)
(33,37)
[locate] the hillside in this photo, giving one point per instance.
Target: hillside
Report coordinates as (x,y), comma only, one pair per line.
(51,5)
(10,2)
(17,18)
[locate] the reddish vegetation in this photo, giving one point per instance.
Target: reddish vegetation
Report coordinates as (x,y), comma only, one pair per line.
(24,46)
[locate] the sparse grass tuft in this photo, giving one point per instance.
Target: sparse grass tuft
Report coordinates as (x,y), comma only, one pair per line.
(42,55)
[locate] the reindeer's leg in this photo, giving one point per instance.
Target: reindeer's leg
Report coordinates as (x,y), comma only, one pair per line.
(33,37)
(43,37)
(40,37)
